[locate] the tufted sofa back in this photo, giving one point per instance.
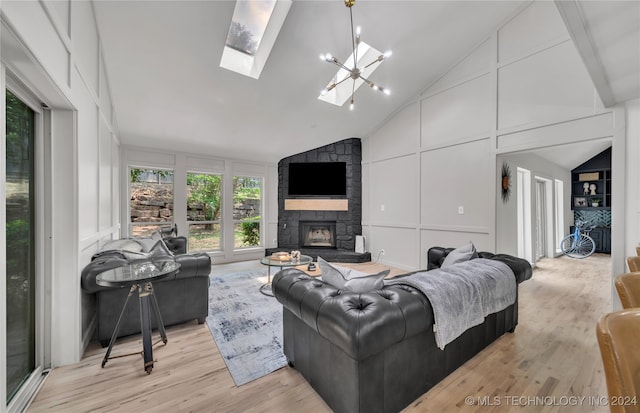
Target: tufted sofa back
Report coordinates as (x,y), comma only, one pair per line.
(520,267)
(361,324)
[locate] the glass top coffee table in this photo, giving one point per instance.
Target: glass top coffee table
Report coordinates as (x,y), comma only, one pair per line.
(271,261)
(138,275)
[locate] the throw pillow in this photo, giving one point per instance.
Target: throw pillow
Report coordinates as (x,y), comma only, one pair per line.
(122,244)
(349,279)
(149,242)
(460,254)
(146,242)
(362,283)
(335,275)
(160,249)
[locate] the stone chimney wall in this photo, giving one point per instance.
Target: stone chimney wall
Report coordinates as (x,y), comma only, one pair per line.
(348,223)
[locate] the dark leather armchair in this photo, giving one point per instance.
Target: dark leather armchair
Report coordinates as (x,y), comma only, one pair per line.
(181,297)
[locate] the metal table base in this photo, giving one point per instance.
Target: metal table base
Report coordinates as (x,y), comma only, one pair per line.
(145,295)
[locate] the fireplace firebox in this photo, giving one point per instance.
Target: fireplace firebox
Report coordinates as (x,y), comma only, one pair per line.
(317,234)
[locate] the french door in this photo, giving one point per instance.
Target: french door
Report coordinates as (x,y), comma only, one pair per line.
(541,220)
(23,282)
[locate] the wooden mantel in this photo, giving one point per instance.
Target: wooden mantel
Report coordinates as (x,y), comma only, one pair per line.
(316,204)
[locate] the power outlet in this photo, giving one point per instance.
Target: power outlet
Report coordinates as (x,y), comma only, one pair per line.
(382,252)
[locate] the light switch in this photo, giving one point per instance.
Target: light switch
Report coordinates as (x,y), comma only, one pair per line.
(382,207)
(460,210)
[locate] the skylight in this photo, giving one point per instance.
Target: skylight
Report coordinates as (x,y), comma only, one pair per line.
(253,31)
(342,92)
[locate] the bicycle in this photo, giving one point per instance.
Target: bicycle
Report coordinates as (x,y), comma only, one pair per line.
(579,244)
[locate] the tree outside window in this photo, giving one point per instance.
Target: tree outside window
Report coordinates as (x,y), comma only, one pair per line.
(247,207)
(204,211)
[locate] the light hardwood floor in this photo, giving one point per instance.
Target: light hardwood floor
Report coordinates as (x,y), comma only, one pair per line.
(552,355)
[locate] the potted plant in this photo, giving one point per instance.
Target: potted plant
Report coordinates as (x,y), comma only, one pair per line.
(595,202)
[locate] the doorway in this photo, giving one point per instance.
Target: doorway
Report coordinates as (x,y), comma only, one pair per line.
(544,218)
(24,280)
(524,214)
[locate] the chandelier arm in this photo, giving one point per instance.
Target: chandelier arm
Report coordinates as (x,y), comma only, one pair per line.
(353,41)
(370,83)
(353,90)
(375,61)
(346,78)
(367,81)
(340,65)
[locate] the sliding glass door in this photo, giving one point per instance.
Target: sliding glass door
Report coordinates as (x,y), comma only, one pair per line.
(21,346)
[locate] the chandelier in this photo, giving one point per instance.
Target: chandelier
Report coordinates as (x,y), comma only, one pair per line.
(354,72)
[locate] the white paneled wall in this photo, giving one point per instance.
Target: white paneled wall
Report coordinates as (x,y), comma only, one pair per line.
(53,47)
(524,87)
(87,142)
(459,112)
(390,200)
(461,178)
(399,136)
(552,85)
(632,217)
(536,27)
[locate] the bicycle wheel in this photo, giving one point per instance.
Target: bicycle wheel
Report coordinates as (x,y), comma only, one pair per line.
(578,248)
(586,246)
(568,245)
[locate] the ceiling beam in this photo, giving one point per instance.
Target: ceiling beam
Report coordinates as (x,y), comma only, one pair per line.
(574,21)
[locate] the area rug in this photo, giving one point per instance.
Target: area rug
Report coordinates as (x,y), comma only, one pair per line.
(246,325)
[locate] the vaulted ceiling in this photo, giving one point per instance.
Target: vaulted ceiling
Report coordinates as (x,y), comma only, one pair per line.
(168,90)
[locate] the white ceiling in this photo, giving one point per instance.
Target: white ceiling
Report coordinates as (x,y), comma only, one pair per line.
(572,155)
(168,91)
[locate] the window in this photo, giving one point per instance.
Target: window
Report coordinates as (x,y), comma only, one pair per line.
(20,195)
(204,211)
(247,207)
(151,200)
(253,31)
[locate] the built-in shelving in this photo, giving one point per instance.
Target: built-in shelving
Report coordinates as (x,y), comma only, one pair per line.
(592,181)
(591,189)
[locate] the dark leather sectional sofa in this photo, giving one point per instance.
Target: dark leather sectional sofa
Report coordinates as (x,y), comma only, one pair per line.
(376,351)
(181,297)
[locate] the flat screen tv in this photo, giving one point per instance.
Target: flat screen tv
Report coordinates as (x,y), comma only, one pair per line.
(318,178)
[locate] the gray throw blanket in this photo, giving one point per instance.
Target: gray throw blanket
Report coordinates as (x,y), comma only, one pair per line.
(462,295)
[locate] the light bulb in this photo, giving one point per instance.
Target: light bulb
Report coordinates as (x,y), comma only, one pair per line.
(388,53)
(375,87)
(322,56)
(386,92)
(328,57)
(358,30)
(351,105)
(323,92)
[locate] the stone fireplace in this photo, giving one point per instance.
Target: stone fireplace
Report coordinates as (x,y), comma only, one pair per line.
(305,221)
(317,234)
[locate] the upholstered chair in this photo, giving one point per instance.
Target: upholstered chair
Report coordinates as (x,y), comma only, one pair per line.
(634,263)
(618,336)
(628,287)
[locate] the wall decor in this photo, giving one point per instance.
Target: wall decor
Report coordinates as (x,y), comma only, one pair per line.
(591,176)
(505,183)
(579,201)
